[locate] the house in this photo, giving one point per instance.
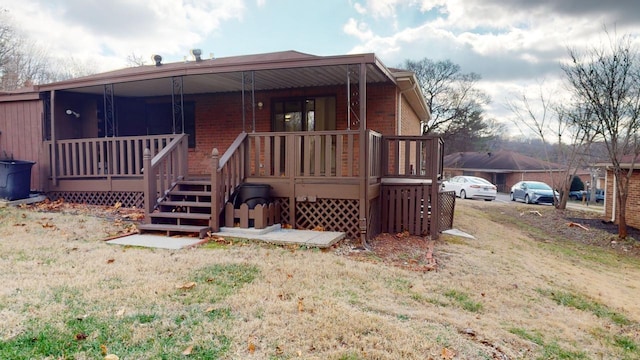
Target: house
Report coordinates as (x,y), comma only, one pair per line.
(611,204)
(504,168)
(336,138)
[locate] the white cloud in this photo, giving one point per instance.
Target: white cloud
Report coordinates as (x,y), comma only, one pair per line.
(358,29)
(109,31)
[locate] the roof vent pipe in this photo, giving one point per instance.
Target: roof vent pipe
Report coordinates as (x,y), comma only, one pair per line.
(157,59)
(197,54)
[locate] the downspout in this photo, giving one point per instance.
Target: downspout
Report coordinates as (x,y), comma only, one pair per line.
(615,198)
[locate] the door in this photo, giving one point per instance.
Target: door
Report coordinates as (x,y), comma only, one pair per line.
(306,114)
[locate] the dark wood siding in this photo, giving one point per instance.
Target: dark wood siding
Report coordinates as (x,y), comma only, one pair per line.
(21,127)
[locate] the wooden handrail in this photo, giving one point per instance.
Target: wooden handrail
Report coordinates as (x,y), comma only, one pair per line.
(232,149)
(163,170)
(227,172)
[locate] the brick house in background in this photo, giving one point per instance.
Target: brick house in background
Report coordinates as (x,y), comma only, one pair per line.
(330,135)
(611,206)
(504,168)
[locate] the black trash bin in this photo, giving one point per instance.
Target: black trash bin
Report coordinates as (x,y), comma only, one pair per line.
(15,179)
(252,194)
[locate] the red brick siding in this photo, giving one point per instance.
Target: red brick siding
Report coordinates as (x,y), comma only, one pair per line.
(219,117)
(409,121)
(633,199)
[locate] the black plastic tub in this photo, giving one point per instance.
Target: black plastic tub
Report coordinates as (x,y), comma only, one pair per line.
(15,179)
(252,194)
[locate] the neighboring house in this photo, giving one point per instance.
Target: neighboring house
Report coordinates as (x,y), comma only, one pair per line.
(611,205)
(504,168)
(331,135)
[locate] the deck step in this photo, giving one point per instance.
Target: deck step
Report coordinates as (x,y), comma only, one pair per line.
(174,229)
(185,203)
(180,215)
(189,193)
(194,182)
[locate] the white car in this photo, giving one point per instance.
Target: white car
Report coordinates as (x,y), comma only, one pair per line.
(471,187)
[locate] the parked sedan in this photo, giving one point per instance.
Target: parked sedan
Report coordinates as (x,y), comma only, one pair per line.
(577,195)
(533,192)
(471,187)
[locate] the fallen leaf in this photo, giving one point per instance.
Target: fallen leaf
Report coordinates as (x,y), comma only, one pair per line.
(188,350)
(103,349)
(117,205)
(81,336)
(448,354)
(187,286)
(24,216)
(279,350)
(251,347)
(109,261)
(300,305)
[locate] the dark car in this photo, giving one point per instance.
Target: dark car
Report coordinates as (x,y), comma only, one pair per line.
(533,192)
(577,195)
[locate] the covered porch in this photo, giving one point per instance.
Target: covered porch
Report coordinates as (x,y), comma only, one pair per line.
(302,124)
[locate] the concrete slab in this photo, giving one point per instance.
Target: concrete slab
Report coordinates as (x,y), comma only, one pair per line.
(156,241)
(33,198)
(280,236)
(456,232)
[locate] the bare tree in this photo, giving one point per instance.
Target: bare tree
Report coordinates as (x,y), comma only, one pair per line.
(134,60)
(606,79)
(452,97)
(560,124)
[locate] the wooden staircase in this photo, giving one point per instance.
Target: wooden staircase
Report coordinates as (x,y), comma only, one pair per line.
(185,210)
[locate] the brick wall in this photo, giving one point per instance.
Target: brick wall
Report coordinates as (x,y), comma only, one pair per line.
(633,199)
(409,123)
(219,116)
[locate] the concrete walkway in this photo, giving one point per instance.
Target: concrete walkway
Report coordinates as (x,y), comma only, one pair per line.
(277,235)
(273,235)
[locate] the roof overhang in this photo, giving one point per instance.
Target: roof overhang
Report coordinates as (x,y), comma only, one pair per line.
(266,71)
(408,84)
(25,94)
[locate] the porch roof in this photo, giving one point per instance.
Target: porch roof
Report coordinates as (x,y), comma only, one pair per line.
(280,70)
(271,71)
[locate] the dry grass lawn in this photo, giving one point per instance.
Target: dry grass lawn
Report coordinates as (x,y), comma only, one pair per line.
(67,294)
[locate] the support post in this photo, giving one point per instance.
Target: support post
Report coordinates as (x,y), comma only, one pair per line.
(149,185)
(215,191)
(54,144)
(435,190)
(363,158)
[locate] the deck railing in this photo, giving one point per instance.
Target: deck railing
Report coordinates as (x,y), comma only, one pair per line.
(163,170)
(102,157)
(412,157)
(325,154)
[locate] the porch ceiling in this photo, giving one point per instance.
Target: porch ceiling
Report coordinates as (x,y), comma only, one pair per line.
(269,79)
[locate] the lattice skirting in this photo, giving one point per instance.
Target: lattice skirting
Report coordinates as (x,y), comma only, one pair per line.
(284,210)
(447,206)
(107,198)
(330,214)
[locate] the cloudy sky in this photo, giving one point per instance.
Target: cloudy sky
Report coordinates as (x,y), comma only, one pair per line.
(514,45)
